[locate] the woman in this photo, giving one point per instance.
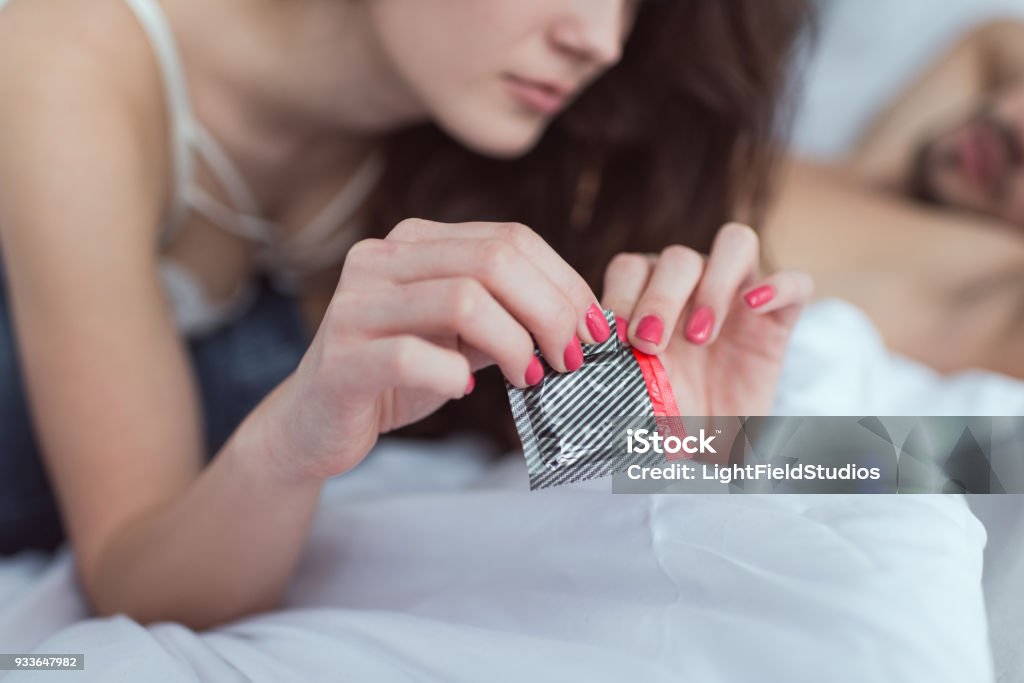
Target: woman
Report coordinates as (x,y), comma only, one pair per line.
(158,155)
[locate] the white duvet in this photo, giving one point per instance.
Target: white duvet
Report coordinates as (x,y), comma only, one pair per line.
(426,563)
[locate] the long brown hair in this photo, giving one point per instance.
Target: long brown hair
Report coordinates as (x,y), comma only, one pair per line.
(675,140)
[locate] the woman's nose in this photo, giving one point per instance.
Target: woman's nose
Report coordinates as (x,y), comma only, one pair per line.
(592,30)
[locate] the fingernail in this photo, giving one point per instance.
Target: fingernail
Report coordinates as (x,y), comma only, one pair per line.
(622,329)
(534,372)
(650,329)
(597,324)
(573,355)
(471,384)
(701,322)
(760,296)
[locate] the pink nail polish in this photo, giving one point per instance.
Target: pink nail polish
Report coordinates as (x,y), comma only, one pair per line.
(534,371)
(597,324)
(470,385)
(702,321)
(760,296)
(650,329)
(573,355)
(622,329)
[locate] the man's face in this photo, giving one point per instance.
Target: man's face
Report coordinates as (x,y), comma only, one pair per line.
(978,165)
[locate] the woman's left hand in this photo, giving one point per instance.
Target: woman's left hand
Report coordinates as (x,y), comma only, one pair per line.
(719,328)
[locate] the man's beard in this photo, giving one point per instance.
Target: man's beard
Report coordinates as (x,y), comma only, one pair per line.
(927,161)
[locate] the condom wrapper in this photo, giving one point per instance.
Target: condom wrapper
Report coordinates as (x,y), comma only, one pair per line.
(573,425)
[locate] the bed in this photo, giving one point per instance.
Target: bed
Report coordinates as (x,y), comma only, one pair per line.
(429,562)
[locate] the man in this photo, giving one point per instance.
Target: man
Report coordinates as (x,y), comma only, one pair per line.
(923,226)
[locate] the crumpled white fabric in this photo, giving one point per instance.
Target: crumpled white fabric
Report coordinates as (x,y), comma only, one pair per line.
(428,563)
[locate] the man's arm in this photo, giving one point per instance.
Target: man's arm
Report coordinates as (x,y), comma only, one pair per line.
(982,62)
(942,286)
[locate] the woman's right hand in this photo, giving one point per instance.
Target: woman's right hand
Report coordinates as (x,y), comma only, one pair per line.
(413,316)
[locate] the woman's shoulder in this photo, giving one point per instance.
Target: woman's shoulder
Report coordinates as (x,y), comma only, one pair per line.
(68,44)
(84,78)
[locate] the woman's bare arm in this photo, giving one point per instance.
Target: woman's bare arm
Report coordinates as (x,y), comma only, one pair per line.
(81,185)
(983,61)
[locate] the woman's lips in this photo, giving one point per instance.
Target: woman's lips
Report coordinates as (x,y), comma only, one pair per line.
(538,96)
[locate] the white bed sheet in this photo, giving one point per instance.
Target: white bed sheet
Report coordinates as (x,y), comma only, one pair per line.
(428,564)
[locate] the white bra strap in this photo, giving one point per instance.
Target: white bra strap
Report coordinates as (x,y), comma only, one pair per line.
(333,249)
(341,207)
(294,264)
(194,312)
(186,132)
(245,219)
(154,22)
(224,169)
(324,241)
(246,226)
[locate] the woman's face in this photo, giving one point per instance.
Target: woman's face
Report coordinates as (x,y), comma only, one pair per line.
(493,73)
(979,164)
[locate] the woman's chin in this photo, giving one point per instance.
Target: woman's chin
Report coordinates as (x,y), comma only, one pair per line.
(509,141)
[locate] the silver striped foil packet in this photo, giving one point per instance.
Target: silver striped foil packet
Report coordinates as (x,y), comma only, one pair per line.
(573,425)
